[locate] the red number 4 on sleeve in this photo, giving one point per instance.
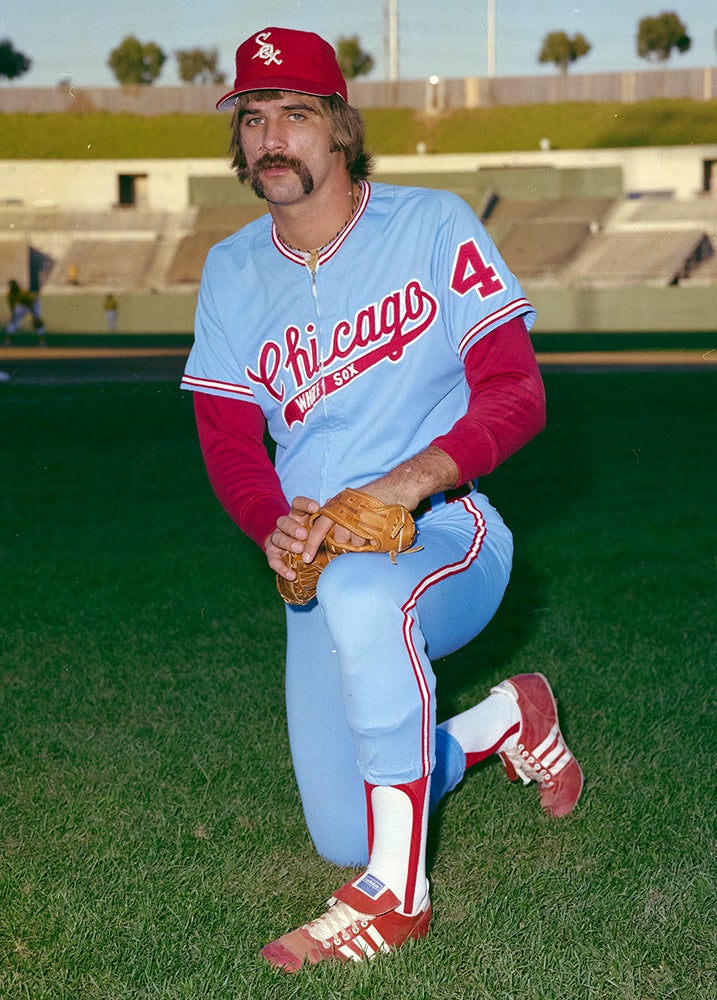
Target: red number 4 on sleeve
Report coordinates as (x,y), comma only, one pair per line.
(470,270)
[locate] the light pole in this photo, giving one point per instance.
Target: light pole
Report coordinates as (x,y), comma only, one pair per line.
(391,18)
(490,31)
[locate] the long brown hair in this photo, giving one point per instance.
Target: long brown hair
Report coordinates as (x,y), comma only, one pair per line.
(346,128)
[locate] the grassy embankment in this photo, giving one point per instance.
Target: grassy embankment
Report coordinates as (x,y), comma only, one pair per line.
(390,131)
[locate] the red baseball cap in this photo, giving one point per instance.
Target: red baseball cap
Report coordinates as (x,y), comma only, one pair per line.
(284,59)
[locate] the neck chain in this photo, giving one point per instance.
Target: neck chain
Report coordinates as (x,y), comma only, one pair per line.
(313,255)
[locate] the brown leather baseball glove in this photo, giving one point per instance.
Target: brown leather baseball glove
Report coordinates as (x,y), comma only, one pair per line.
(386,528)
(303,588)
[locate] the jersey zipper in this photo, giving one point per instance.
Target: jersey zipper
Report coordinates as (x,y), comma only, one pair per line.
(312,264)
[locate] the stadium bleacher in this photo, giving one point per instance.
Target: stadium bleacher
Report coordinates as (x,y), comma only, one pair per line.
(655,257)
(539,238)
(212,224)
(118,249)
(541,251)
(110,262)
(596,240)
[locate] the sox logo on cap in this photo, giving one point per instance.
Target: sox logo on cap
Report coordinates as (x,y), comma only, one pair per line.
(267,53)
(284,59)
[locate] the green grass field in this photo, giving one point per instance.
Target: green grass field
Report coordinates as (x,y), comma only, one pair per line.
(151,838)
(585,125)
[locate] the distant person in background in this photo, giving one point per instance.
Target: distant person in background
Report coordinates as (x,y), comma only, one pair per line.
(111,309)
(73,275)
(23,302)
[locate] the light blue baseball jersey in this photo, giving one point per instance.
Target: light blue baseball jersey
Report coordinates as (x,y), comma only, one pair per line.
(359,364)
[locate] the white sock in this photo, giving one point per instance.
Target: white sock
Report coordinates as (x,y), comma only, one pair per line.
(487,728)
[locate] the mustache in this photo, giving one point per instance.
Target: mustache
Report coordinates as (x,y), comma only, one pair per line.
(269,160)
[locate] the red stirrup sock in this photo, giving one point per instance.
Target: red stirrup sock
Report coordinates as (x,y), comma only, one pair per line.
(397,830)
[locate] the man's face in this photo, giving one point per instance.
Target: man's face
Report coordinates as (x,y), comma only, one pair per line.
(287,146)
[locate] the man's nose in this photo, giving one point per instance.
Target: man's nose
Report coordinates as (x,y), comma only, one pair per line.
(274,137)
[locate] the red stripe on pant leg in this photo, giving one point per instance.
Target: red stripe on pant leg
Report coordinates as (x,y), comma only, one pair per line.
(422,685)
(408,621)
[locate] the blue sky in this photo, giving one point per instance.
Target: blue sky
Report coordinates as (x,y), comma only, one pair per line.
(442,37)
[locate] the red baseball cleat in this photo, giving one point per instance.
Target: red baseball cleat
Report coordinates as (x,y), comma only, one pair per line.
(361,921)
(541,753)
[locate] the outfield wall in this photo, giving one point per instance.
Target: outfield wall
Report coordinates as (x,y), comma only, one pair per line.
(560,310)
(155,313)
(625,309)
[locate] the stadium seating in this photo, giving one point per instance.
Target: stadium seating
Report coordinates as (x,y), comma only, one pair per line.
(653,257)
(212,224)
(115,263)
(539,239)
(590,241)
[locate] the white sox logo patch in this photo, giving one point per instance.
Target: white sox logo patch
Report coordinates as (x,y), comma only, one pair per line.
(267,53)
(379,332)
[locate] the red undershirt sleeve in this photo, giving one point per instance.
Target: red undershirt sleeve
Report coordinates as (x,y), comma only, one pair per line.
(506,406)
(231,436)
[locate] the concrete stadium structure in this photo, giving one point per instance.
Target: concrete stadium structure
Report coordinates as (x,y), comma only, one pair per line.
(614,239)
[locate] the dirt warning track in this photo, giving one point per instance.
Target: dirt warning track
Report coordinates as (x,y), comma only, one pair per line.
(77,365)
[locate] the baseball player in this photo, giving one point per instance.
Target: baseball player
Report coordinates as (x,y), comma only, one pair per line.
(110,307)
(22,303)
(379,336)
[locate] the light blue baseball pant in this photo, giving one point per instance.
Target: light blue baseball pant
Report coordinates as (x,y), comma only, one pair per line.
(360,686)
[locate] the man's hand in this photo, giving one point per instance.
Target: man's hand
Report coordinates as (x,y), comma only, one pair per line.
(290,535)
(355,514)
(431,471)
(319,530)
(309,537)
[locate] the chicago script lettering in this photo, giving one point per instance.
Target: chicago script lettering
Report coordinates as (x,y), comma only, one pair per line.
(396,320)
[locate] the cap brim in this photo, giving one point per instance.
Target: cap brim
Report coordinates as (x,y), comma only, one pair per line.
(293,85)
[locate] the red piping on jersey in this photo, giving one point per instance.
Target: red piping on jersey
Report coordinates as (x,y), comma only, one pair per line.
(300,258)
(518,307)
(207,383)
(505,410)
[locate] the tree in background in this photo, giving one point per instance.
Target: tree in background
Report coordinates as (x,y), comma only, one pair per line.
(12,62)
(199,66)
(352,60)
(136,62)
(658,36)
(562,50)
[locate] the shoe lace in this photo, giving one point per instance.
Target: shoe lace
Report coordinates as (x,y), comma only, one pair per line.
(528,767)
(336,922)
